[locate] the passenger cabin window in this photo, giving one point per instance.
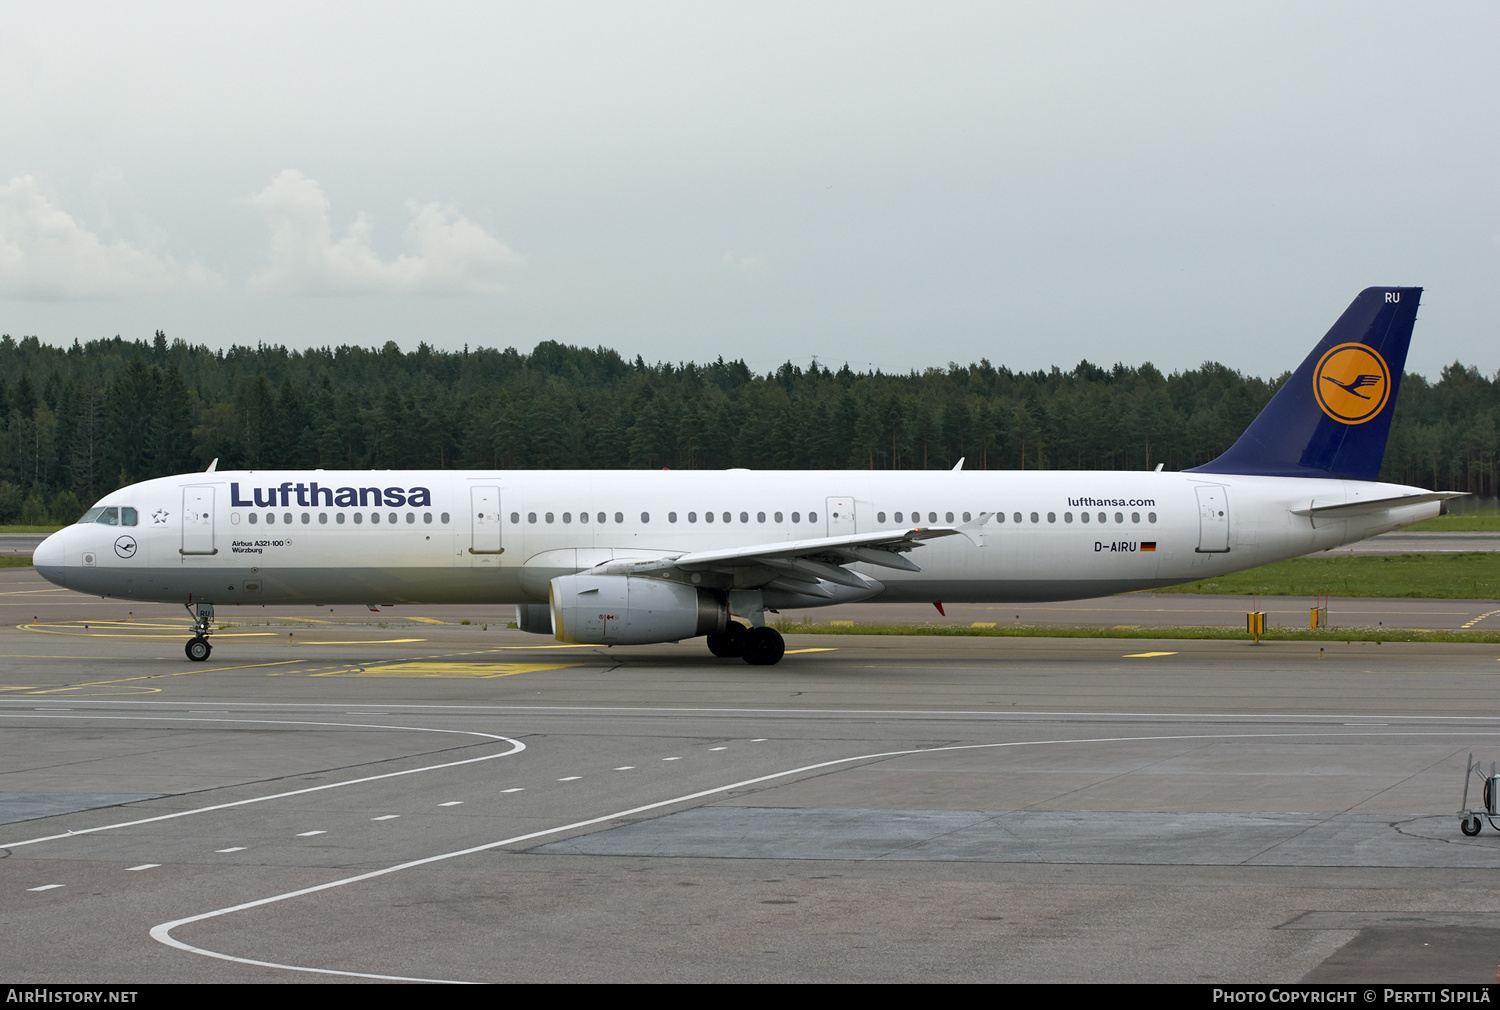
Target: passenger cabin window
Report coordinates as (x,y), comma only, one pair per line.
(1052,517)
(515,518)
(619,517)
(645,518)
(777,517)
(444,519)
(796,517)
(671,517)
(1018,517)
(1151,517)
(880,517)
(1035,518)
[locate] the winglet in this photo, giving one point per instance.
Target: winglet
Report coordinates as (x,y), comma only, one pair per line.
(970,529)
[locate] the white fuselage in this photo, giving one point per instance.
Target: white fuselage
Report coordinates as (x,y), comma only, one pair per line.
(319,537)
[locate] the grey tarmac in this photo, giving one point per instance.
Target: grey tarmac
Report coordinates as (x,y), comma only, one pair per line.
(871,809)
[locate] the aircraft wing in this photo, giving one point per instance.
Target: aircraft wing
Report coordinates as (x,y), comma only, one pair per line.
(799,565)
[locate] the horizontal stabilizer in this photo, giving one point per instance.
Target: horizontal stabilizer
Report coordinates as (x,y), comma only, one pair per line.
(1372,505)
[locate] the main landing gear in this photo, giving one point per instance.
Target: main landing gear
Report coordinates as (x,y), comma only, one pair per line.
(757,646)
(197,647)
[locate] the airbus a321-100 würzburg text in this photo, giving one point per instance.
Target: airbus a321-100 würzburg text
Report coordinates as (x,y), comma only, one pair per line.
(635,557)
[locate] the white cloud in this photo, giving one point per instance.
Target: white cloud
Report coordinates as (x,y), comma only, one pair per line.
(46,253)
(451,255)
(743,263)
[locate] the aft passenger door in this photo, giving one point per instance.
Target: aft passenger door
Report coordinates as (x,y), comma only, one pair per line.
(484,525)
(1213,519)
(198,520)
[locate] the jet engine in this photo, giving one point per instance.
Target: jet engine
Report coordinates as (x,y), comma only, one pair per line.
(630,610)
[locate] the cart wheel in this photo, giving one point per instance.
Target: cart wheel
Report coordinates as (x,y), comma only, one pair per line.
(1470,825)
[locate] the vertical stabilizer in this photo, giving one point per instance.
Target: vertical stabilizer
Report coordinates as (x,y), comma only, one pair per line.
(1332,417)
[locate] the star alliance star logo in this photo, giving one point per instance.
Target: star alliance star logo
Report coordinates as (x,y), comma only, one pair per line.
(159,517)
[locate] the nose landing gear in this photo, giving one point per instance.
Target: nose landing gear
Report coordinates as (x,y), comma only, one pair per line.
(197,647)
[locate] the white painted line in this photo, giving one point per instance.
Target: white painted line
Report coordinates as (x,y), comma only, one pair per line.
(385,817)
(44,887)
(672,759)
(570,778)
(309,834)
(718,748)
(452,803)
(516,789)
(163,933)
(516,748)
(143,866)
(759,739)
(233,848)
(625,768)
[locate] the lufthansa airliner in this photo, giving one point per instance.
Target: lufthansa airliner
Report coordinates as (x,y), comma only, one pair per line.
(637,557)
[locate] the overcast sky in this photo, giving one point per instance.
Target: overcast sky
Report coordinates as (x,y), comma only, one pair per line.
(900,185)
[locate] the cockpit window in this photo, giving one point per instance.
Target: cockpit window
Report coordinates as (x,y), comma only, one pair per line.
(109,516)
(127,516)
(91,515)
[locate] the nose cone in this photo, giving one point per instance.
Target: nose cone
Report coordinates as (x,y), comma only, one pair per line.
(50,558)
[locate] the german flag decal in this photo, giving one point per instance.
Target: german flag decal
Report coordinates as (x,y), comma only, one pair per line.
(1148,545)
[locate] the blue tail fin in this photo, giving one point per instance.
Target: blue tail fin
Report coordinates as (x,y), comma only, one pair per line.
(1332,417)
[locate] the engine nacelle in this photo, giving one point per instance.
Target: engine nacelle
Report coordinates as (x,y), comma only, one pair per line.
(629,610)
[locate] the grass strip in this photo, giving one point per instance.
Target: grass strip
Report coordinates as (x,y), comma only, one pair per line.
(1474,576)
(1207,633)
(1487,521)
(15,560)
